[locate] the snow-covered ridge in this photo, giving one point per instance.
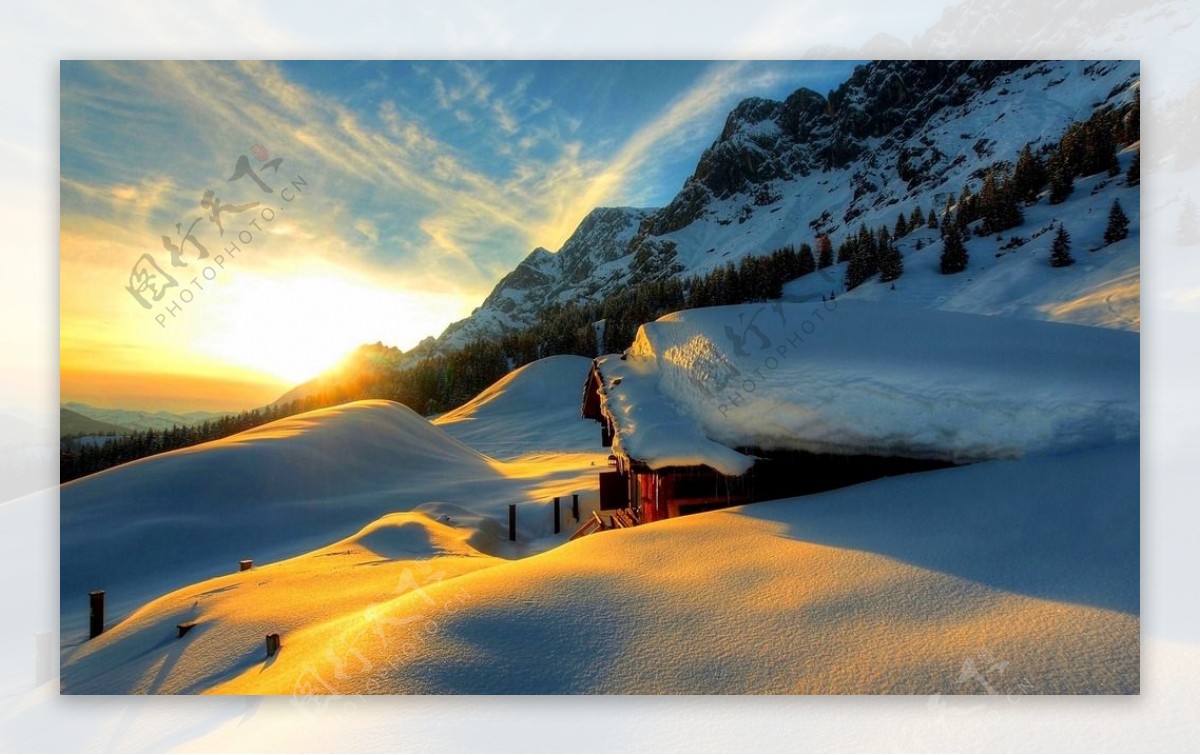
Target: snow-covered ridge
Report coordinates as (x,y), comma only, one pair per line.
(544,278)
(895,136)
(862,377)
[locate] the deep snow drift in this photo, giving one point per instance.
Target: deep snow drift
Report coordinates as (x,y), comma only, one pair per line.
(854,376)
(1010,576)
(283,489)
(528,411)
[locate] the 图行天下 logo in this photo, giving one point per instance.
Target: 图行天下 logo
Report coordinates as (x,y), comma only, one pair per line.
(153,286)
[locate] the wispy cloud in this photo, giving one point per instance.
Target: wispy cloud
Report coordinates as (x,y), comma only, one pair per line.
(398,199)
(675,125)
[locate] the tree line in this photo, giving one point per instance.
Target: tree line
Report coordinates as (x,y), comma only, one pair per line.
(80,459)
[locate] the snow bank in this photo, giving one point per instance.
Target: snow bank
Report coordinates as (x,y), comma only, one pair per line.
(866,377)
(146,528)
(522,413)
(1013,577)
(232,614)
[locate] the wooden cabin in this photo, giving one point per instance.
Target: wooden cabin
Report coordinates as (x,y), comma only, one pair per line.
(648,495)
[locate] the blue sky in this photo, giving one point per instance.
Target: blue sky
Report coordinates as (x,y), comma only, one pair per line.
(427,182)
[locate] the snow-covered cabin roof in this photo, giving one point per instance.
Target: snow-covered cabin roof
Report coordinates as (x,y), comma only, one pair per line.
(861,377)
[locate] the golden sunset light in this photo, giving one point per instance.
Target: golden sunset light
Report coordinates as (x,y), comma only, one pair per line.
(629,377)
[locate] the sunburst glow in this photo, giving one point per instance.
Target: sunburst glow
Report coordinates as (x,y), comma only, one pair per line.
(295,327)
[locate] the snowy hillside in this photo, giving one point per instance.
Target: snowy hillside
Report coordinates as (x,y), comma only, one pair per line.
(1022,572)
(155,525)
(1010,274)
(510,419)
(897,136)
(381,556)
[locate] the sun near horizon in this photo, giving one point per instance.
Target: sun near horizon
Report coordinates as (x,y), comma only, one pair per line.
(229,230)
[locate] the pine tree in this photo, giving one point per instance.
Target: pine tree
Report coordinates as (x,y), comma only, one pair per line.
(865,244)
(967,207)
(1061,182)
(917,218)
(824,252)
(901,226)
(933,221)
(807,262)
(998,205)
(954,252)
(891,264)
(860,269)
(847,249)
(1029,176)
(1133,176)
(1118,224)
(884,242)
(854,274)
(1114,165)
(1060,249)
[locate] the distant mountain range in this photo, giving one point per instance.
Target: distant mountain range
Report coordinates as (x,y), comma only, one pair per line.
(82,418)
(72,423)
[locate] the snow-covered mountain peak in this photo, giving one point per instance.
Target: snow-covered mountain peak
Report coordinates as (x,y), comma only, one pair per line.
(897,135)
(544,277)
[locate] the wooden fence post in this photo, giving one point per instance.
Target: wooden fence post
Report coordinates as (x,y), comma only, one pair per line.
(273,644)
(557,520)
(96,600)
(245,564)
(575,506)
(512,522)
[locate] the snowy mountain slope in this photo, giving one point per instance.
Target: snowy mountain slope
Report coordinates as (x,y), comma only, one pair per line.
(545,278)
(892,586)
(1102,289)
(1009,274)
(524,412)
(154,525)
(896,136)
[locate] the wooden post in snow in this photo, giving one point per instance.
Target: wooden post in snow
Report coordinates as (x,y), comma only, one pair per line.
(96,618)
(273,644)
(557,519)
(575,506)
(512,522)
(245,564)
